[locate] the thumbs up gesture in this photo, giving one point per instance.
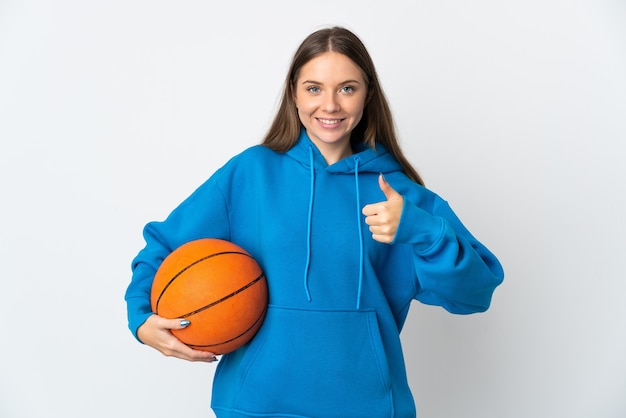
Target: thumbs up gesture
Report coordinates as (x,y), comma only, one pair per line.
(383,217)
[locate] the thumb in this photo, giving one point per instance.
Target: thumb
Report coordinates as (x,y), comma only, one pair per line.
(386,188)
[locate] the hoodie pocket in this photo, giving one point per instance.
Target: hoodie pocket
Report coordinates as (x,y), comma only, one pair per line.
(316,364)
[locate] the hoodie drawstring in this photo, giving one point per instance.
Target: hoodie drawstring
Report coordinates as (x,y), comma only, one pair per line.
(310,221)
(308,232)
(358,221)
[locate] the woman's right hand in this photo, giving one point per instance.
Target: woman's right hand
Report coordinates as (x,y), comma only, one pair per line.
(156,333)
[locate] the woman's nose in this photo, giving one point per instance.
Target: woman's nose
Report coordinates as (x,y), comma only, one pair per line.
(331,104)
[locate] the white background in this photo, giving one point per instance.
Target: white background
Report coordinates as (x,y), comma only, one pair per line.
(514,111)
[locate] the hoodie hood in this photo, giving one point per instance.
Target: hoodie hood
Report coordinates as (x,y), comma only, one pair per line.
(367,159)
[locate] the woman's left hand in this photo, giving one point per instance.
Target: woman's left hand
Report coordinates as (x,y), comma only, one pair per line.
(384,217)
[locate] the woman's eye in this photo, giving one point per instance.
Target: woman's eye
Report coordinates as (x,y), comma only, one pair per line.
(347,89)
(313,89)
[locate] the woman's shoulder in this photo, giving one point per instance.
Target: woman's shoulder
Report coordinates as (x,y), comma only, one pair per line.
(255,153)
(248,161)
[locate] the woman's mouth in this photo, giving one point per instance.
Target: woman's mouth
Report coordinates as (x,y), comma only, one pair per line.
(329,122)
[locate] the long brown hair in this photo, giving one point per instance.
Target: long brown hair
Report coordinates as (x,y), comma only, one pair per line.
(376,125)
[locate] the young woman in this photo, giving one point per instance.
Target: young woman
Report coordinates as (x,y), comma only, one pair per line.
(347,236)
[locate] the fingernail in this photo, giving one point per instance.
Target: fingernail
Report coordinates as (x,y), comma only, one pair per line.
(184,322)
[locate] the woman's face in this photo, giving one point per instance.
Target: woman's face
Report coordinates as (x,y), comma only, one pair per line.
(330,94)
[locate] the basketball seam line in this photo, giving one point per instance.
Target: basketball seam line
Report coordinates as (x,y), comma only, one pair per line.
(156,307)
(223,298)
(236,337)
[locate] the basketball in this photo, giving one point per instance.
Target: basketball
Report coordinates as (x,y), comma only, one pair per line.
(218,287)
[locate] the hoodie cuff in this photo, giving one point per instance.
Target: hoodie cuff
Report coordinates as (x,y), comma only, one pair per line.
(140,314)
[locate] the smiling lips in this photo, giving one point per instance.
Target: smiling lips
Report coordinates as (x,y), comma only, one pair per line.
(329,122)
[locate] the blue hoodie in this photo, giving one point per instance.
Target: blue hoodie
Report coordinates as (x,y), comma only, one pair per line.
(330,342)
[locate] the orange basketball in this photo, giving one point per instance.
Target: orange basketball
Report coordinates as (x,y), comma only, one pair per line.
(218,287)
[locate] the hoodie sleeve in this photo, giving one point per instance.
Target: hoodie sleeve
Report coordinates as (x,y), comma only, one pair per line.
(453,269)
(203,214)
